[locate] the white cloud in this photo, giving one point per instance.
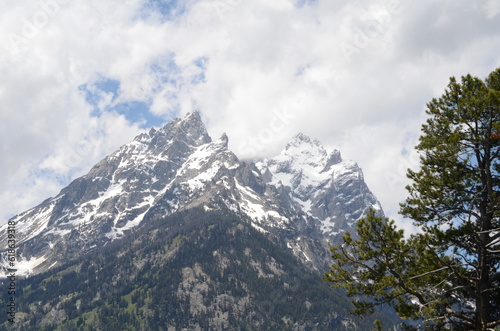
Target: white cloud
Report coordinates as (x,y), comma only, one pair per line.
(354,74)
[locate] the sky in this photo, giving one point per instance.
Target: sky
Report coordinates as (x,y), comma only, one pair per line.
(81,78)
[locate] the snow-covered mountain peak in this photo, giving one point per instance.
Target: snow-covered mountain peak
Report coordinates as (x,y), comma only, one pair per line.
(301,153)
(298,139)
(303,148)
(323,185)
(177,167)
(307,154)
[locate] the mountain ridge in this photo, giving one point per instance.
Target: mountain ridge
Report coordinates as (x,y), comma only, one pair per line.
(304,194)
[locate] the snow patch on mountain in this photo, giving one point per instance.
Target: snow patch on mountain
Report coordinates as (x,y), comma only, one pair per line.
(25,266)
(254,206)
(35,223)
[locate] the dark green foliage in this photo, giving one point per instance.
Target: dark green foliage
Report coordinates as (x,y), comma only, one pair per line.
(448,275)
(385,268)
(193,269)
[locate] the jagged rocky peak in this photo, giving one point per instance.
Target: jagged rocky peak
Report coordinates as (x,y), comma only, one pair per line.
(303,145)
(321,184)
(189,130)
(193,126)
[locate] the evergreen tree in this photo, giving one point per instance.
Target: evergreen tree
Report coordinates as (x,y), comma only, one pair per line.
(447,275)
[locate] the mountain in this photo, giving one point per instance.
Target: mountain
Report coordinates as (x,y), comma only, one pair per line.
(322,185)
(303,190)
(174,204)
(192,270)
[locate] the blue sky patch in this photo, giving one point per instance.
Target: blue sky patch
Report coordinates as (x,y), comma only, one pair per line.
(164,79)
(137,112)
(94,93)
(169,10)
(108,85)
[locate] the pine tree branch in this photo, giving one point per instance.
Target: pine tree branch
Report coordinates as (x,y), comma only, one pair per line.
(493,324)
(464,319)
(402,284)
(490,231)
(431,272)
